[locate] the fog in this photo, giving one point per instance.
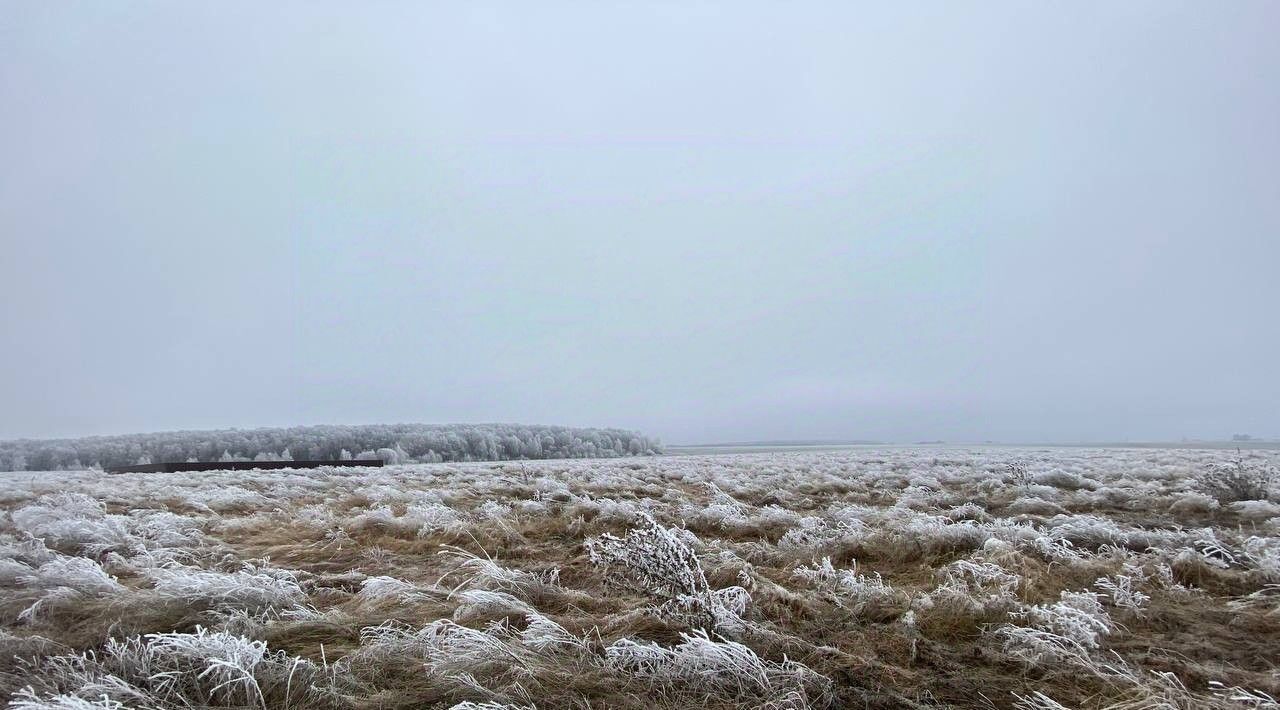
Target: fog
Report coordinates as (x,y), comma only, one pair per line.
(706,221)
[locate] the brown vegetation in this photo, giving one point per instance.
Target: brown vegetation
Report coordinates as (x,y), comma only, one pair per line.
(874,578)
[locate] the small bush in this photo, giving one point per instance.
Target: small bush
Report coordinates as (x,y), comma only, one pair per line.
(658,561)
(1238,480)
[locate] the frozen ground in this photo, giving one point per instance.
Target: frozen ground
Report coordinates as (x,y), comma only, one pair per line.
(932,577)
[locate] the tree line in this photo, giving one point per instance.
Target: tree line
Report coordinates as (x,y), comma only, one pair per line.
(393,443)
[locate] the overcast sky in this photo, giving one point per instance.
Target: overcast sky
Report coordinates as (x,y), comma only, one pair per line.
(708,221)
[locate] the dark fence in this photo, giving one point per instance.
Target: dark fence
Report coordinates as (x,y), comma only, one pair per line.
(172,466)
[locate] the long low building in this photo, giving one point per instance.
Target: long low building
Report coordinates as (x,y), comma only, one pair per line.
(172,466)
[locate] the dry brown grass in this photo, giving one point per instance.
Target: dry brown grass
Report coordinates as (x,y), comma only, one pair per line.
(502,551)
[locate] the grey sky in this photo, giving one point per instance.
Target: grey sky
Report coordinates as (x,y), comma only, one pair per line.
(708,221)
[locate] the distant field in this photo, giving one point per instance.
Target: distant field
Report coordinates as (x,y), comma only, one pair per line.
(783,446)
(864,577)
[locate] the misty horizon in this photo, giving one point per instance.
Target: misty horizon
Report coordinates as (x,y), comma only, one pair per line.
(992,223)
(1232,438)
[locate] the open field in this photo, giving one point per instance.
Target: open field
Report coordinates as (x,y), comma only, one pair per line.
(868,577)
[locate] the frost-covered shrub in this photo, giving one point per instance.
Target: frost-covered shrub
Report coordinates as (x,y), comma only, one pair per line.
(659,562)
(861,593)
(1122,590)
(978,579)
(1078,615)
(1015,473)
(224,662)
(653,557)
(1263,555)
(1070,629)
(1239,480)
(967,592)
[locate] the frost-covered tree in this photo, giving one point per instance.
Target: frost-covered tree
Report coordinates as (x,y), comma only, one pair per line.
(409,442)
